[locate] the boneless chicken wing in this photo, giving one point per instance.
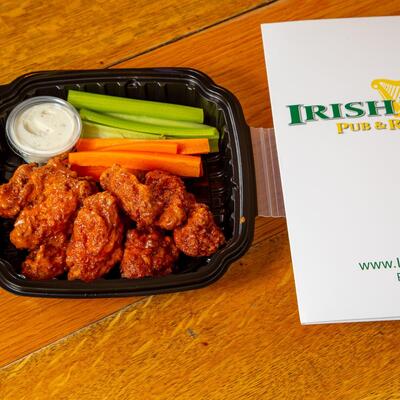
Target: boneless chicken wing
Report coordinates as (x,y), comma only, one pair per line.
(53,195)
(14,194)
(135,198)
(56,174)
(148,253)
(171,197)
(200,236)
(54,200)
(68,227)
(48,260)
(96,243)
(40,221)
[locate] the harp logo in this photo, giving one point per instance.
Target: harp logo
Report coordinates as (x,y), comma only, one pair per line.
(388,106)
(389,90)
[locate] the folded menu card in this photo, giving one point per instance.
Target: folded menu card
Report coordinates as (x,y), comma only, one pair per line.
(335,88)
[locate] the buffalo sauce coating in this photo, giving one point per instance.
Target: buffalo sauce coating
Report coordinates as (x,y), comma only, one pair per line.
(96,243)
(172,200)
(135,198)
(39,222)
(54,197)
(148,253)
(14,194)
(48,199)
(199,236)
(48,260)
(45,201)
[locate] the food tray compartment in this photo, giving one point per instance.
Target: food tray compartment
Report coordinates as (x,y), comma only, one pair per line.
(228,185)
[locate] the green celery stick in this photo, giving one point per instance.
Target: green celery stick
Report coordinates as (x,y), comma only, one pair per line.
(114,104)
(91,130)
(157,121)
(103,119)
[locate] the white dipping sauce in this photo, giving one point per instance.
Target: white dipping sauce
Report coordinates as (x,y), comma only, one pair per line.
(45,127)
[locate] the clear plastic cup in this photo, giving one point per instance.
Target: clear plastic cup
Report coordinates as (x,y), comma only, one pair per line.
(60,145)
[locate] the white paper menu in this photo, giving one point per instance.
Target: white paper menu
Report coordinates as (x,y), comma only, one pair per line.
(335,88)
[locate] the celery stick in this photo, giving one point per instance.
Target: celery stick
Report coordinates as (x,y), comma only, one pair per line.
(207,132)
(114,104)
(91,130)
(157,121)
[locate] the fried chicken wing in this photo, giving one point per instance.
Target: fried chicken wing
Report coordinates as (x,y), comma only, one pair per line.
(38,222)
(47,202)
(148,253)
(200,236)
(84,187)
(51,203)
(57,173)
(56,193)
(96,243)
(135,198)
(14,194)
(48,260)
(170,194)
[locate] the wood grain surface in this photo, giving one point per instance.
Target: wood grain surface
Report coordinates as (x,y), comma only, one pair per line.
(239,338)
(40,35)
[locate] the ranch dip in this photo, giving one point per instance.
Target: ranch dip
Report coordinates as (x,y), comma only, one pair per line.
(43,127)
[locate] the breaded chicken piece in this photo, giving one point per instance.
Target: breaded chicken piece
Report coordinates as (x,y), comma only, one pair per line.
(148,253)
(53,194)
(55,173)
(47,261)
(40,221)
(56,194)
(135,198)
(14,194)
(170,194)
(96,243)
(200,236)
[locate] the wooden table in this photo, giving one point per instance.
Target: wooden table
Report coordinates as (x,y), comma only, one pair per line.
(237,339)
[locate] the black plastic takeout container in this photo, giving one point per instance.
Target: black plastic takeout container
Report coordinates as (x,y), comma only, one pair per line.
(228,185)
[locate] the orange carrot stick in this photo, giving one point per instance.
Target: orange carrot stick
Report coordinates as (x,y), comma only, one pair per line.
(184,146)
(94,172)
(192,146)
(200,146)
(127,145)
(176,164)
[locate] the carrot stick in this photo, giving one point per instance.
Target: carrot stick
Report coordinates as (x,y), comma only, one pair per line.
(184,146)
(199,146)
(192,146)
(162,146)
(176,164)
(94,172)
